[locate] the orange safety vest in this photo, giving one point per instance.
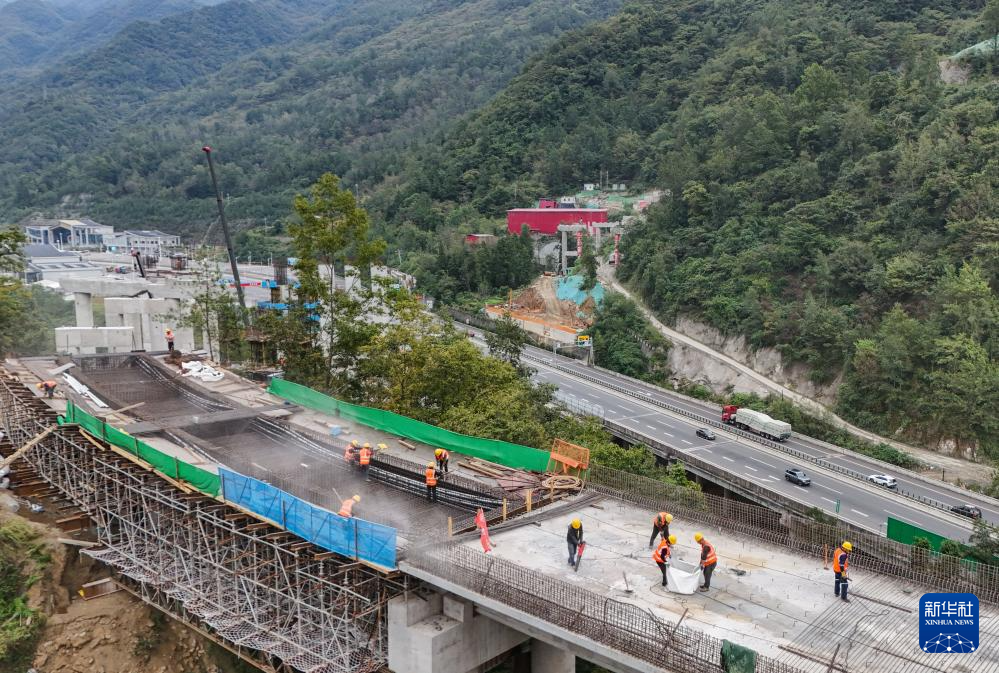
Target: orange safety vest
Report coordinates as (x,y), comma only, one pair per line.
(49,384)
(660,520)
(347,508)
(431,476)
(365,456)
(711,557)
(169,335)
(840,552)
(658,556)
(348,453)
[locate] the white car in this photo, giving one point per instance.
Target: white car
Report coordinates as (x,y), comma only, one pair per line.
(883,480)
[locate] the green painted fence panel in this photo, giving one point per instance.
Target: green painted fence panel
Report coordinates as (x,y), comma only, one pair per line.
(906,533)
(504,453)
(204,481)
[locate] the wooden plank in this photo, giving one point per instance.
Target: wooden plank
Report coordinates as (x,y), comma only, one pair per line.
(27,447)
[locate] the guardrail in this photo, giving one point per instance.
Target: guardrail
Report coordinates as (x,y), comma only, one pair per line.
(732,430)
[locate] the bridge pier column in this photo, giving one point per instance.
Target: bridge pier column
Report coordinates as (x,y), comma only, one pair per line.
(547,658)
(441,633)
(83,302)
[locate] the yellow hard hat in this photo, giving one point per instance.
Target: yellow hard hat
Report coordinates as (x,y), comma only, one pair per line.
(430,464)
(357,498)
(438,452)
(366,445)
(669,518)
(672,539)
(355,442)
(576,523)
(847,546)
(698,537)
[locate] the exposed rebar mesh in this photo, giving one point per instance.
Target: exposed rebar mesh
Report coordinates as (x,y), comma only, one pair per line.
(870,551)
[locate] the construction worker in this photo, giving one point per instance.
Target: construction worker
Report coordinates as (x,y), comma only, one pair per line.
(662,553)
(350,453)
(365,461)
(441,456)
(708,560)
(841,561)
(575,538)
(431,475)
(48,387)
(169,339)
(660,526)
(347,508)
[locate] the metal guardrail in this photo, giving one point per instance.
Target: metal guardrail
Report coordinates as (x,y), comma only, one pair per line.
(732,430)
(876,464)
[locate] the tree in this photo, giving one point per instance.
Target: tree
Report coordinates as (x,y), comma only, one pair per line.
(984,542)
(322,336)
(990,20)
(507,340)
(215,313)
(586,265)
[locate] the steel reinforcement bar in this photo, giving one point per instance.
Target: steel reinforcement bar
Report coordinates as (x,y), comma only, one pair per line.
(870,550)
(621,626)
(255,587)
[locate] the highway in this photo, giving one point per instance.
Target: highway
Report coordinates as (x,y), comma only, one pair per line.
(860,502)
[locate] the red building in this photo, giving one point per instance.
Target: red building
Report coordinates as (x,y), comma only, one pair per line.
(546,220)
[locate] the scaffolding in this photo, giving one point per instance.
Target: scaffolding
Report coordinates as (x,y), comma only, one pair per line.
(276,600)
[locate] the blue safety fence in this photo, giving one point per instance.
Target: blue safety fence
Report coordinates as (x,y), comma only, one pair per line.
(354,538)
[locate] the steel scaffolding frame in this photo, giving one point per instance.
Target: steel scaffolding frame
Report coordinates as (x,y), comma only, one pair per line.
(266,594)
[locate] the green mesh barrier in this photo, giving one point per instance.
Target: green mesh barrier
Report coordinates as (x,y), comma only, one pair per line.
(900,531)
(504,453)
(204,481)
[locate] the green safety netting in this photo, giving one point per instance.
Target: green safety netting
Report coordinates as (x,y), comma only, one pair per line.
(204,481)
(737,659)
(504,453)
(900,531)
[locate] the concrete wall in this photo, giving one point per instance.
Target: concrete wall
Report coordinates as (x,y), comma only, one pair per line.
(149,319)
(86,340)
(438,633)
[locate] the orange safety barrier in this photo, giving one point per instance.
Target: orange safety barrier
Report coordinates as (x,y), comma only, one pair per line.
(569,458)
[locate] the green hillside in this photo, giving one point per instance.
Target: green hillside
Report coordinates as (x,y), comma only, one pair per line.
(830,195)
(282,96)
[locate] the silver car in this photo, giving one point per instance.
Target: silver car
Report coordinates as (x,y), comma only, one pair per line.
(883,480)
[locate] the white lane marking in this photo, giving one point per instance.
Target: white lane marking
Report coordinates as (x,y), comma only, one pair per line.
(667,434)
(751,476)
(304,465)
(707,449)
(762,461)
(775,478)
(860,513)
(750,467)
(628,409)
(685,441)
(901,517)
(828,489)
(828,500)
(651,427)
(731,460)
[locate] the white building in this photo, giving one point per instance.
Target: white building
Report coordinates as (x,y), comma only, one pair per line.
(45,262)
(82,234)
(148,242)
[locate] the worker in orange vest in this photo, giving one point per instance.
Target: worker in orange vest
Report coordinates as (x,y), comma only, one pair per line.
(169,339)
(347,508)
(48,387)
(350,453)
(709,559)
(660,526)
(841,561)
(662,553)
(431,475)
(365,461)
(442,456)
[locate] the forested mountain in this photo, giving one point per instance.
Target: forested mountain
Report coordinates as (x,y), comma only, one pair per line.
(831,196)
(36,33)
(118,130)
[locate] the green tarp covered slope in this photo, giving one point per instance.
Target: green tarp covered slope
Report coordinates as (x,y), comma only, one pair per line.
(504,453)
(204,481)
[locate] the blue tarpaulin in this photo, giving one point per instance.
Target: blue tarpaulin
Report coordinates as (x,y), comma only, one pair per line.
(353,537)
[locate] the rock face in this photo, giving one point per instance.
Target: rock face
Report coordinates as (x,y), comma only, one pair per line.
(691,364)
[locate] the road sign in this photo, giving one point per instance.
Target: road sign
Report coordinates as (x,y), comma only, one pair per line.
(583,340)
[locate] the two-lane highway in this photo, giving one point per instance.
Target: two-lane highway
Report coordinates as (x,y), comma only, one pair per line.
(859,502)
(922,487)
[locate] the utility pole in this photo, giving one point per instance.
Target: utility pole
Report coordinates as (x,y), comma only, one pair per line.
(228,239)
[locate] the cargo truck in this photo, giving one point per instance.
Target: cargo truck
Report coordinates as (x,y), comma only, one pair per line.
(757,422)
